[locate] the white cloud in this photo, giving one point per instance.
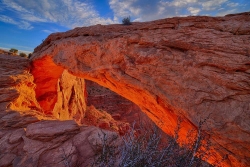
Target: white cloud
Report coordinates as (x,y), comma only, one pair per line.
(225,12)
(124,8)
(47,31)
(212,4)
(14,6)
(193,11)
(141,10)
(22,24)
(51,30)
(68,13)
(33,18)
(146,10)
(231,4)
(181,3)
(25,25)
(7,19)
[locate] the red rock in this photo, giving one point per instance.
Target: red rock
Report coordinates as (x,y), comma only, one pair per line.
(16,84)
(71,101)
(16,136)
(191,67)
(194,67)
(24,139)
(103,124)
(48,130)
(116,116)
(6,160)
(59,93)
(119,107)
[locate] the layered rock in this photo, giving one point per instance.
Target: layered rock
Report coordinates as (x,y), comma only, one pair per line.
(194,67)
(119,107)
(51,143)
(29,137)
(59,93)
(16,84)
(71,100)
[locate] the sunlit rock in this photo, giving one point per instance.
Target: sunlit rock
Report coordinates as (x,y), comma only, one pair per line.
(196,68)
(193,67)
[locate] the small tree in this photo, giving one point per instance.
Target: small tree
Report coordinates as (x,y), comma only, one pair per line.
(126,21)
(23,55)
(13,51)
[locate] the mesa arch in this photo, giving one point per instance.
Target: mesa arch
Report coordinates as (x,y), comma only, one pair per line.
(194,67)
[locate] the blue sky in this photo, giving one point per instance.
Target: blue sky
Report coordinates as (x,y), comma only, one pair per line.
(25,23)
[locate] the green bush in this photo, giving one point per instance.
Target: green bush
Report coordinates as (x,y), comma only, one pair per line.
(13,51)
(23,55)
(126,21)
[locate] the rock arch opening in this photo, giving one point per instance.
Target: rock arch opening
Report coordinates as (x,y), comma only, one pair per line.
(63,95)
(195,67)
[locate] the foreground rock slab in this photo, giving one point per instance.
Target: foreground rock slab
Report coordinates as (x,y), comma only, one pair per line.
(194,67)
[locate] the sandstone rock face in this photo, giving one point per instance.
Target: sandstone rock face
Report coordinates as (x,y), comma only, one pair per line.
(16,84)
(71,98)
(194,67)
(103,120)
(28,137)
(51,143)
(59,93)
(119,107)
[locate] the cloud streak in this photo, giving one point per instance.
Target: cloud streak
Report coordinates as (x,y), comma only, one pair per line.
(146,10)
(67,13)
(22,24)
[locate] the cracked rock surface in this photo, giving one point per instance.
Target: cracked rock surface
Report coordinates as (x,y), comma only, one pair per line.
(194,67)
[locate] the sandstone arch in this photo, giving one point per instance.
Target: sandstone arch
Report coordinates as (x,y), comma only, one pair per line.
(194,67)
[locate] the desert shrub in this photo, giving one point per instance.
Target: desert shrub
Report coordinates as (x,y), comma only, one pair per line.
(13,51)
(126,21)
(147,147)
(107,153)
(23,55)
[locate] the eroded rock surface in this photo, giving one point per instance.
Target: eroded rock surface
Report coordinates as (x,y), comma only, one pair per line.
(29,137)
(194,67)
(16,84)
(59,93)
(119,107)
(71,100)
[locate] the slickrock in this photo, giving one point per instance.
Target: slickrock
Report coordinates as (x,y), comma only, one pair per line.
(29,137)
(194,67)
(18,150)
(48,130)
